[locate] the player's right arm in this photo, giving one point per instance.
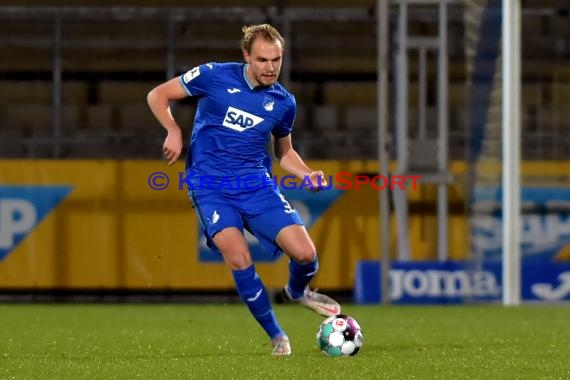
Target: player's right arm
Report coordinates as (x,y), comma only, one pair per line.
(159,99)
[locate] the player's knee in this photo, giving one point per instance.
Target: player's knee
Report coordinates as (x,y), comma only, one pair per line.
(306,255)
(238,260)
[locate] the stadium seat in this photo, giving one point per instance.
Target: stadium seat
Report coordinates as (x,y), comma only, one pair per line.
(29,116)
(122,92)
(184,115)
(325,117)
(561,95)
(41,92)
(301,123)
(10,136)
(532,94)
(361,117)
(74,92)
(457,93)
(98,117)
(26,92)
(350,93)
(138,117)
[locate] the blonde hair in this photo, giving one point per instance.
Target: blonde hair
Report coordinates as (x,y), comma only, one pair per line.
(265,31)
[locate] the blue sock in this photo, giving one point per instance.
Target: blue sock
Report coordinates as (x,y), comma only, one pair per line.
(252,292)
(300,275)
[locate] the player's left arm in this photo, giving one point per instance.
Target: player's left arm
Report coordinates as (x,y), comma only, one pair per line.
(290,161)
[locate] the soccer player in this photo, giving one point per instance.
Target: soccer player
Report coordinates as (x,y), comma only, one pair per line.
(240,106)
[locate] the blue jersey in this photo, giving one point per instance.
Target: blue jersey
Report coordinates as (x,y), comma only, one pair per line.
(232,125)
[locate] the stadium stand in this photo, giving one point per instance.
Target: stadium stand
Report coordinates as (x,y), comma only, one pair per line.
(109,64)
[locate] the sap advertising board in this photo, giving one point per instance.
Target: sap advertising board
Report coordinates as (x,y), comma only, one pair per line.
(545,267)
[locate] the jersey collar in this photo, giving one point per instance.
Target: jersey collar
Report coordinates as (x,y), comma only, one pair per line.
(251,87)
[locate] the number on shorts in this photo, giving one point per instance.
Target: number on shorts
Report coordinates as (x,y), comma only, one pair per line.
(288,208)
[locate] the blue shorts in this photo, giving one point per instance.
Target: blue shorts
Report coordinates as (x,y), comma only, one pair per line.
(263,212)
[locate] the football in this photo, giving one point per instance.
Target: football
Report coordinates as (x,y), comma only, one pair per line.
(340,335)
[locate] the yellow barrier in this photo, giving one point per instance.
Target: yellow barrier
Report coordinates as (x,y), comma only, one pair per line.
(114,232)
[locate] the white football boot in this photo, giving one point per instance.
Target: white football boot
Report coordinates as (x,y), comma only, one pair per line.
(281,346)
(319,303)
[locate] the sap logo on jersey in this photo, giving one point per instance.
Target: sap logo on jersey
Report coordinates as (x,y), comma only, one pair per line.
(239,120)
(22,208)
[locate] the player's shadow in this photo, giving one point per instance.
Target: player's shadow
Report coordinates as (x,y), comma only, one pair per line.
(245,354)
(410,347)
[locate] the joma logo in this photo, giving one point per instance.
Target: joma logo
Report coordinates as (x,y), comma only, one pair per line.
(551,291)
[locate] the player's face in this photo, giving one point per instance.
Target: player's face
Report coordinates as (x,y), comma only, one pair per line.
(264,62)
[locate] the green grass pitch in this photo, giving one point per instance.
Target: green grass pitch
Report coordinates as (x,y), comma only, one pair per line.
(165,341)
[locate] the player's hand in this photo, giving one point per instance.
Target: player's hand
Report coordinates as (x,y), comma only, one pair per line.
(318,180)
(172,147)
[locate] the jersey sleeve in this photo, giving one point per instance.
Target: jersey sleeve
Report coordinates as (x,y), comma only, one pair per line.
(286,126)
(198,80)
